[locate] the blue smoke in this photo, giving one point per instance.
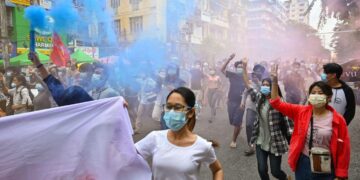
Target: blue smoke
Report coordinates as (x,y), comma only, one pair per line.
(65,15)
(94,12)
(37,17)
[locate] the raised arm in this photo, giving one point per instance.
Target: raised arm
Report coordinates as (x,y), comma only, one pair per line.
(287,109)
(223,68)
(245,74)
(33,57)
(275,85)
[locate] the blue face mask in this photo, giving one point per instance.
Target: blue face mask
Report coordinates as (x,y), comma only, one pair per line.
(323,77)
(96,80)
(265,90)
(82,75)
(239,70)
(175,120)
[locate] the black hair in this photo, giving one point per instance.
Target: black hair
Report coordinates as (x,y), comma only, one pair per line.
(331,68)
(22,79)
(187,94)
(259,67)
(325,88)
(74,95)
(104,67)
(86,67)
(237,63)
(190,100)
(270,82)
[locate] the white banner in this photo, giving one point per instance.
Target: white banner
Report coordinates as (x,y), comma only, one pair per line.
(88,141)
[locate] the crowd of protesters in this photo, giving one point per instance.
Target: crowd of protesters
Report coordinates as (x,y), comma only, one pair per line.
(304,105)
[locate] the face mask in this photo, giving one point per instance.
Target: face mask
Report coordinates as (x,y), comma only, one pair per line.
(212,72)
(8,73)
(39,87)
(197,66)
(27,78)
(265,90)
(239,70)
(13,85)
(317,100)
(323,77)
(175,120)
(96,80)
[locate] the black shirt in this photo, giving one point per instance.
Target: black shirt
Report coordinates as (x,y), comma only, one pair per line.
(237,86)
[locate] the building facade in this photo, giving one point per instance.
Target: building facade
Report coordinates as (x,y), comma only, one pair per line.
(296,10)
(265,24)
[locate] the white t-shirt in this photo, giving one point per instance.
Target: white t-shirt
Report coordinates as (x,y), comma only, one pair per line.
(171,162)
(338,101)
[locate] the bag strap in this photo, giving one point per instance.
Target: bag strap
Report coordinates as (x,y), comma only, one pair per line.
(311,133)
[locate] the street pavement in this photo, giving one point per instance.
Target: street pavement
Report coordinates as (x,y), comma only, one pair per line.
(237,166)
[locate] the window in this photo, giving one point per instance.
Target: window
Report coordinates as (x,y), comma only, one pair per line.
(136,24)
(117,26)
(115,3)
(135,4)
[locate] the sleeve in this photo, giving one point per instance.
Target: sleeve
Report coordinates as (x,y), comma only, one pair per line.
(56,88)
(287,109)
(229,74)
(12,91)
(343,151)
(210,156)
(350,106)
(146,146)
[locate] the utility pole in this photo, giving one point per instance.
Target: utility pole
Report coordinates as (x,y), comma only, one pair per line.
(4,34)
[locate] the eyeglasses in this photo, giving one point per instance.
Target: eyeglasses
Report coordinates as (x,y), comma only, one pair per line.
(175,107)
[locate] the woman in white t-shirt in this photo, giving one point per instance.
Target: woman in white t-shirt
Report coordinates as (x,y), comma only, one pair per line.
(178,153)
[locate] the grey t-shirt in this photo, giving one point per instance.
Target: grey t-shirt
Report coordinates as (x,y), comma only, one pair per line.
(338,100)
(264,134)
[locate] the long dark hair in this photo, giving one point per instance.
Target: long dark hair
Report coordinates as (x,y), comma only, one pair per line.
(190,100)
(21,79)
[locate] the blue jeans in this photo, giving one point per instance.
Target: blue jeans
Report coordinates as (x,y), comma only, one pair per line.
(303,171)
(275,165)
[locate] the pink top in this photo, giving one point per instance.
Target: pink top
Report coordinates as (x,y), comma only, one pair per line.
(321,133)
(213,82)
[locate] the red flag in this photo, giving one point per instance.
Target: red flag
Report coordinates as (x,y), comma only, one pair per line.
(59,55)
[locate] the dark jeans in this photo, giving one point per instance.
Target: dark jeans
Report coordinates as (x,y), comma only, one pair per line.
(235,113)
(250,118)
(303,171)
(275,165)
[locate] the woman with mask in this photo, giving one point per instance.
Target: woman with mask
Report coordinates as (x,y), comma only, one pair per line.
(268,137)
(178,153)
(20,93)
(319,131)
(212,91)
(171,81)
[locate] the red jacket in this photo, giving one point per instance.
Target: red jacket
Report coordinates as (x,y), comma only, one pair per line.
(339,143)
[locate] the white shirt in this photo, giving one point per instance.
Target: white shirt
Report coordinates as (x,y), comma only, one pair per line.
(171,162)
(338,101)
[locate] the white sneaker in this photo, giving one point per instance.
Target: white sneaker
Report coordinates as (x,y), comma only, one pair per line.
(233,144)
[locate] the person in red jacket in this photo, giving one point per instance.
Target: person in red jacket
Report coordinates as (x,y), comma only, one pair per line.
(329,131)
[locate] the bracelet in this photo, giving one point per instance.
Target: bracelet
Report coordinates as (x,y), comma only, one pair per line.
(39,66)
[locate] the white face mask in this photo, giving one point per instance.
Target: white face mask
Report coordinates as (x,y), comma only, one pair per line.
(13,85)
(317,100)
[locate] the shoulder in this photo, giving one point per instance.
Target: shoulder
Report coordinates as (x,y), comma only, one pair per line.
(203,143)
